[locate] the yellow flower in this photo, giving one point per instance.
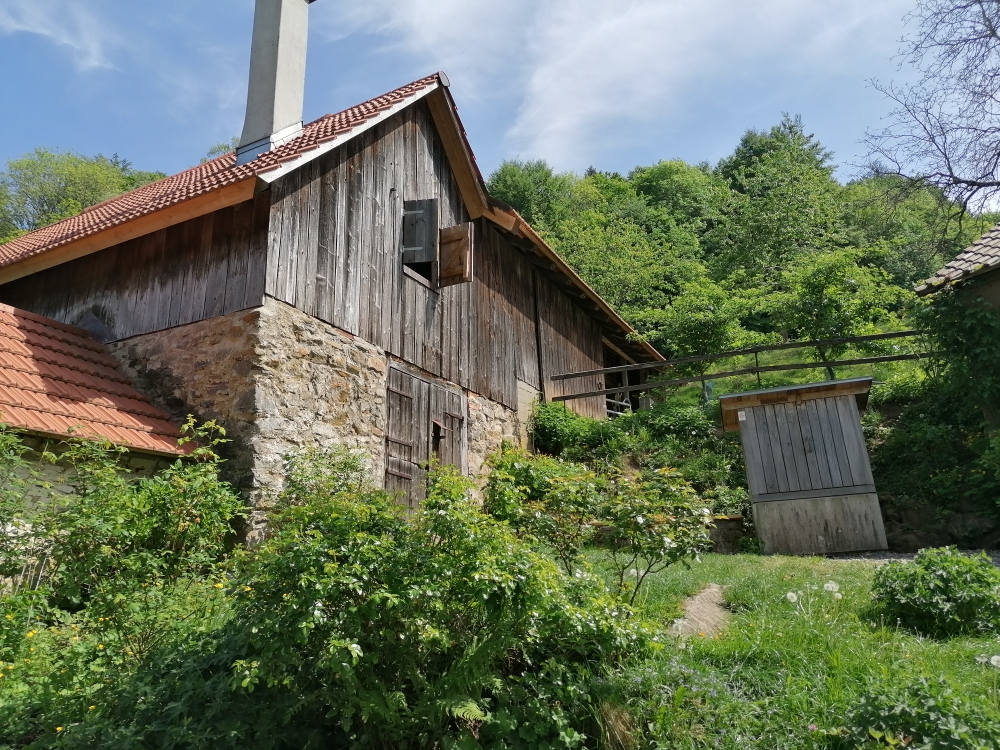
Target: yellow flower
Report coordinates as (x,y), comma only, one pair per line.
(91,708)
(10,617)
(31,634)
(100,645)
(58,729)
(218,586)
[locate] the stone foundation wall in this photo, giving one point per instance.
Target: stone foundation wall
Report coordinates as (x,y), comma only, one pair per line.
(206,369)
(490,423)
(316,386)
(276,379)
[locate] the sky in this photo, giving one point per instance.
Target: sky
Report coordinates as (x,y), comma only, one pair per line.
(605,83)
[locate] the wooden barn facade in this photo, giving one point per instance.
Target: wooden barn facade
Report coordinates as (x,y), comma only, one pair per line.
(354,285)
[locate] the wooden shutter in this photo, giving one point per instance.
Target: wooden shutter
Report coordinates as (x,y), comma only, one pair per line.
(420,231)
(456,255)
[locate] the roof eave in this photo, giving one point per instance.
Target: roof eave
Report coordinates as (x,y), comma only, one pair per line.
(55,255)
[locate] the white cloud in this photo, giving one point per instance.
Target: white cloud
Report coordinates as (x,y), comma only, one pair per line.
(586,69)
(63,22)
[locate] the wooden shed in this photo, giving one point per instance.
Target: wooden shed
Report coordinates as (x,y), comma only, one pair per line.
(807,467)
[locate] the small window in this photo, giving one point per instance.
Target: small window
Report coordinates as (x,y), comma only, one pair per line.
(420,238)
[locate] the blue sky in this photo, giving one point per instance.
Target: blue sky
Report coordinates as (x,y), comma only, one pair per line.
(608,83)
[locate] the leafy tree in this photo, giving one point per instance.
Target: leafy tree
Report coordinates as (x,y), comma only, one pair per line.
(533,190)
(787,137)
(784,201)
(691,195)
(830,295)
(220,149)
(44,187)
(908,230)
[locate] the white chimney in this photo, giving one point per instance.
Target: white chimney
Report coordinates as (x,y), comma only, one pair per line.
(277,76)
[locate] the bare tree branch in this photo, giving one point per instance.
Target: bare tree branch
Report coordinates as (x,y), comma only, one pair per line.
(944,130)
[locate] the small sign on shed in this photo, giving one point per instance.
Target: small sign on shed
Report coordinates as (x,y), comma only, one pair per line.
(807,467)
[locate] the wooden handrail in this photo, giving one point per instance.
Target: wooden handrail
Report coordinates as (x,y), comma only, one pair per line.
(749,371)
(737,352)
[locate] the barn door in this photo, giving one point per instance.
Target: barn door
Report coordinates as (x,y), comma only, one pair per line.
(426,421)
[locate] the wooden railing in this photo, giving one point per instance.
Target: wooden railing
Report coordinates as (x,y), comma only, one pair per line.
(622,392)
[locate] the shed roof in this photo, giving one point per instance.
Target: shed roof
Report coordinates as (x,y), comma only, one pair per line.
(56,380)
(981,256)
(221,182)
(731,402)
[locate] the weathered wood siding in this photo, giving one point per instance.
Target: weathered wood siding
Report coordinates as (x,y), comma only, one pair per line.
(809,477)
(426,421)
(571,342)
(807,449)
(202,268)
(335,252)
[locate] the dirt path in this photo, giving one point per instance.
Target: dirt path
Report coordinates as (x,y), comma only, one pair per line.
(705,614)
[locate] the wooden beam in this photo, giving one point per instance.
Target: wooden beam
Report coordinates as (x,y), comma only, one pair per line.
(733,373)
(129,230)
(457,150)
(735,353)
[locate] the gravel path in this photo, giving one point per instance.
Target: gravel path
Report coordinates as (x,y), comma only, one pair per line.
(993,554)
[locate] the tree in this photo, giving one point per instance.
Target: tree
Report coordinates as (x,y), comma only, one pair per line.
(533,190)
(944,130)
(783,201)
(691,195)
(830,295)
(221,149)
(44,187)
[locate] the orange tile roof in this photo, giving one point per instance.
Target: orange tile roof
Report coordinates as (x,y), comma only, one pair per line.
(981,256)
(56,378)
(204,178)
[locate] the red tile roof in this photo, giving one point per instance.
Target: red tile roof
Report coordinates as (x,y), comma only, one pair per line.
(204,178)
(982,256)
(55,378)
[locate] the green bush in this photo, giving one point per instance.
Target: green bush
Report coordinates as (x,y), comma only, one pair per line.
(647,521)
(925,715)
(122,568)
(355,626)
(942,592)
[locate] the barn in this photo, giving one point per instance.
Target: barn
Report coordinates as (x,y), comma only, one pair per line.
(348,281)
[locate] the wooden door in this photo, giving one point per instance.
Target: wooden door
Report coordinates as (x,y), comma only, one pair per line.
(426,422)
(803,449)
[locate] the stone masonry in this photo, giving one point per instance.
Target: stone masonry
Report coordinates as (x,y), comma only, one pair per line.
(490,424)
(279,380)
(275,378)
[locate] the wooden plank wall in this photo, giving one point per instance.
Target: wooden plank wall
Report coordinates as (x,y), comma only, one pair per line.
(571,342)
(806,449)
(335,252)
(415,404)
(208,266)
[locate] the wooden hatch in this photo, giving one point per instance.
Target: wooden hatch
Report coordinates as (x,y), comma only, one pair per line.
(807,466)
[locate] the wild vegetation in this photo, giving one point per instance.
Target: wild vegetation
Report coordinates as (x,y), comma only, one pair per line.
(128,618)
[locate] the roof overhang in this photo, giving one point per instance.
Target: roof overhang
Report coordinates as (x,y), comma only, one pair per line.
(206,203)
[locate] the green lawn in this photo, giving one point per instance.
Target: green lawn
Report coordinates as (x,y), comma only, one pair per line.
(781,666)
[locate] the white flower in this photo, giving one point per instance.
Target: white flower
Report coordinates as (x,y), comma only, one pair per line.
(831,586)
(837,595)
(792,597)
(995,661)
(640,519)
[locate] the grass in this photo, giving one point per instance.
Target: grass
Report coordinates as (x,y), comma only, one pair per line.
(781,666)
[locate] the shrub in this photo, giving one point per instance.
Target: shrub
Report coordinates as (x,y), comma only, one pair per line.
(926,715)
(942,592)
(648,521)
(546,500)
(355,626)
